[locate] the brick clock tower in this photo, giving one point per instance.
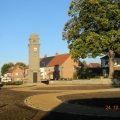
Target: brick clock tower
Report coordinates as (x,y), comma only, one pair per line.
(34,59)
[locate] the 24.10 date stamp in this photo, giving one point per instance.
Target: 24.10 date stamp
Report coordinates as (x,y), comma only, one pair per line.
(115,107)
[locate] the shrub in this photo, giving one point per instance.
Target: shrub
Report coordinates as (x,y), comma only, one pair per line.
(13,83)
(75,75)
(96,76)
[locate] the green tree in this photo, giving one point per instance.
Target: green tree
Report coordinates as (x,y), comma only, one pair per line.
(20,64)
(4,68)
(85,66)
(11,64)
(94,29)
(74,75)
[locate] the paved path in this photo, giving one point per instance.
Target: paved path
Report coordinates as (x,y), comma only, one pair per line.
(49,102)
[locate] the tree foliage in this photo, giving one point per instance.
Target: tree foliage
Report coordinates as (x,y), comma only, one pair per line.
(5,68)
(85,66)
(93,29)
(11,64)
(20,64)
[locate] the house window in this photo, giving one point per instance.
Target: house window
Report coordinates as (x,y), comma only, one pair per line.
(106,62)
(118,62)
(59,68)
(22,74)
(16,74)
(115,63)
(48,69)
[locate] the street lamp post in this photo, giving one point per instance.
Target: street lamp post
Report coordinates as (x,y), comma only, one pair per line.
(44,69)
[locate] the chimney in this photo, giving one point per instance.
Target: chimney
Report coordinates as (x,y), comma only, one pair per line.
(56,54)
(45,55)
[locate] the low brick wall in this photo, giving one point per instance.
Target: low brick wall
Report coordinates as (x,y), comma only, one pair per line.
(85,81)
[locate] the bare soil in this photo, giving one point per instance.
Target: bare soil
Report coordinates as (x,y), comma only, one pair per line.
(12,105)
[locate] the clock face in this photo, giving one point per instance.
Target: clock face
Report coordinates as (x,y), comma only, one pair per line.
(35,49)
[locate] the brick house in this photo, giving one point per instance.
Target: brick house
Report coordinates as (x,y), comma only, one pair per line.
(61,66)
(94,65)
(15,73)
(26,72)
(43,63)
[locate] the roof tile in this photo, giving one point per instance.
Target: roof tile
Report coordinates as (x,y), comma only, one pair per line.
(58,60)
(94,65)
(11,70)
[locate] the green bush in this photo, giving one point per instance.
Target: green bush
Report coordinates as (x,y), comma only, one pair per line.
(65,78)
(13,83)
(96,76)
(75,75)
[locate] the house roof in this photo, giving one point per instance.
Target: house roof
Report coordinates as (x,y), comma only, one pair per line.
(11,70)
(94,65)
(45,61)
(105,57)
(58,60)
(52,60)
(26,67)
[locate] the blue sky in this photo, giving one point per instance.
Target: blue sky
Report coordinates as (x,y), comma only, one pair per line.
(20,18)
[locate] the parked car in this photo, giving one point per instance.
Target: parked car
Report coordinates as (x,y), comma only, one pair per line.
(6,80)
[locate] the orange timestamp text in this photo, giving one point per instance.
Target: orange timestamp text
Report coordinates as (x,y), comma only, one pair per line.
(115,107)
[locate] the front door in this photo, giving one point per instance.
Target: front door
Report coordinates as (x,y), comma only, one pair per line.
(35,77)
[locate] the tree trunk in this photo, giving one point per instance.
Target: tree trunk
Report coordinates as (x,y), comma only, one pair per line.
(111,63)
